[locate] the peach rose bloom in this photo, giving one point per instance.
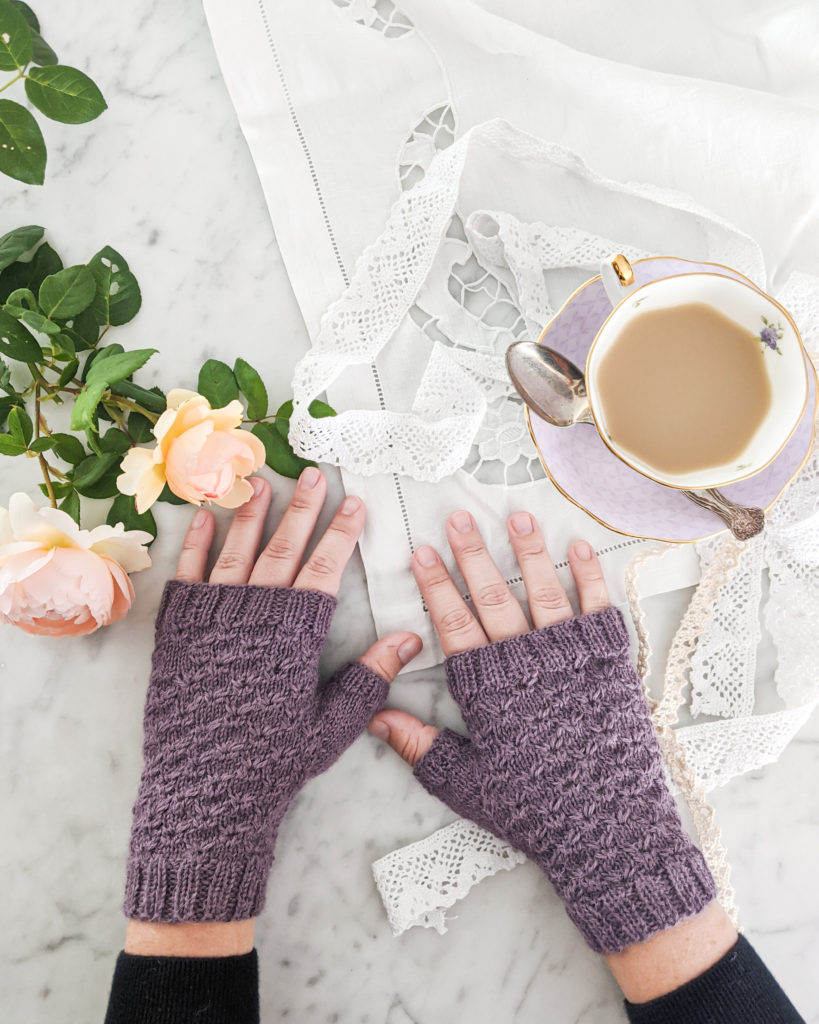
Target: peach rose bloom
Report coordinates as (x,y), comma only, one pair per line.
(59,580)
(202,454)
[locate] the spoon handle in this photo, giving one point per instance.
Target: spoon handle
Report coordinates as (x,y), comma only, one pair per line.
(743,521)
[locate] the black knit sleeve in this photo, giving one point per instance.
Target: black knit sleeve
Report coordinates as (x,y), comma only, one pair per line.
(184,990)
(738,989)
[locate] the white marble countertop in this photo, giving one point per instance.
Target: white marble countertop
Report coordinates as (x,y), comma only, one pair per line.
(165,177)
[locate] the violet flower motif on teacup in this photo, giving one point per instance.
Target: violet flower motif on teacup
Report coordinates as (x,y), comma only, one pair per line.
(771,334)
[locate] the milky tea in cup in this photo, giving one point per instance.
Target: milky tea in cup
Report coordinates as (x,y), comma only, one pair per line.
(695,380)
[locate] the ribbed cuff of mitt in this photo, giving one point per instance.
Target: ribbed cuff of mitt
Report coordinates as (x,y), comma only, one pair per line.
(679,888)
(244,607)
(523,659)
(160,889)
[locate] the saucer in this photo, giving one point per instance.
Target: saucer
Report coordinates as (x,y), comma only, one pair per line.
(586,472)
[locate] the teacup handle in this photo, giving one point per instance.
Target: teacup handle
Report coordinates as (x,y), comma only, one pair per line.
(618,278)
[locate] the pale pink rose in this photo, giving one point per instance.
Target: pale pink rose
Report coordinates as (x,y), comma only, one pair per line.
(202,454)
(59,580)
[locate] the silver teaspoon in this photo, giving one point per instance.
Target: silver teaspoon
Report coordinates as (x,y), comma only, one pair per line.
(554,388)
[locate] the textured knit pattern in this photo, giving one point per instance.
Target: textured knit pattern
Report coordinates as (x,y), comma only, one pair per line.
(563,763)
(235,723)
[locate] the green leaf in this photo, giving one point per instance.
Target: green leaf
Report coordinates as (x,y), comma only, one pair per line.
(30,274)
(117,366)
(10,446)
(31,18)
(173,499)
(6,405)
(278,454)
(118,297)
(20,299)
(15,38)
(64,94)
(96,476)
(85,405)
(318,410)
(20,426)
(252,387)
(123,510)
(14,243)
(71,505)
(82,329)
(140,428)
(69,448)
(60,489)
(42,444)
(22,147)
(151,399)
(100,353)
(217,383)
(39,322)
(41,51)
(67,292)
(115,441)
(16,342)
(68,371)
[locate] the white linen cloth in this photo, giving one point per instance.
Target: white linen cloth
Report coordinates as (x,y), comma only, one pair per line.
(345,103)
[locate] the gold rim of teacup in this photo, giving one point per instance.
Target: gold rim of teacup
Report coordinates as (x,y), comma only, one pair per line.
(809,369)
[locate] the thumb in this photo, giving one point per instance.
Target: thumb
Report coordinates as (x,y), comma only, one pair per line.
(406,734)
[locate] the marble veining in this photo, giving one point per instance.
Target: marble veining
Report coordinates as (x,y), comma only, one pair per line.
(165,177)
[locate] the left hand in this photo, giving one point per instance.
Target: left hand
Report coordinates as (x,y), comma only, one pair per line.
(497,614)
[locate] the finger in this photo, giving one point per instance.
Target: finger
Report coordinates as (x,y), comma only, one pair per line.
(500,614)
(548,602)
(406,734)
(242,542)
(193,558)
(457,628)
(323,569)
(281,557)
(390,654)
(591,587)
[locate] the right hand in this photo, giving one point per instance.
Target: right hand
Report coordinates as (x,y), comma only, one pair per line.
(498,613)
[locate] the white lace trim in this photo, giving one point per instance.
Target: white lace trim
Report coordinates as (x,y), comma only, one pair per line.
(420,882)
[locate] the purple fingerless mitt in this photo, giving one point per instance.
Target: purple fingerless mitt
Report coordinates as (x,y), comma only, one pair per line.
(235,723)
(563,763)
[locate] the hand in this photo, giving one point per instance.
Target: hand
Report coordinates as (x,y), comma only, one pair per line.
(499,614)
(279,564)
(561,760)
(236,720)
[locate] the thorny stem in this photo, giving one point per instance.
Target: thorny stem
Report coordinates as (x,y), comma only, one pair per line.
(40,458)
(120,421)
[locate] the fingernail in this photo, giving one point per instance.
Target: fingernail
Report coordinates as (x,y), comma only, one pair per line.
(408,649)
(426,556)
(350,505)
(522,524)
(583,550)
(199,519)
(462,521)
(380,729)
(309,478)
(257,484)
